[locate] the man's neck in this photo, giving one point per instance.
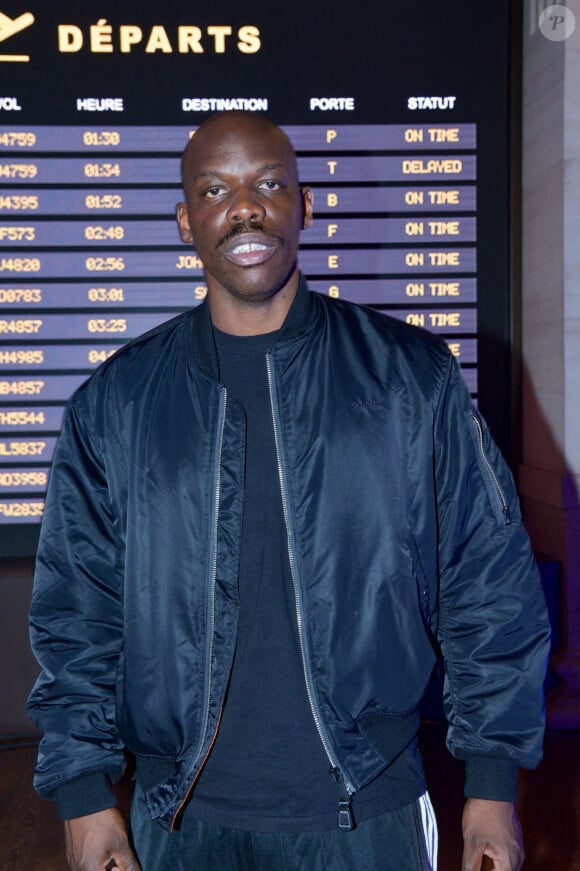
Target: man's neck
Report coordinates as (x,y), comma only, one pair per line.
(244,318)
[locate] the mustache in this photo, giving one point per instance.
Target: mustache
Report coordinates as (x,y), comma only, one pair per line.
(249,227)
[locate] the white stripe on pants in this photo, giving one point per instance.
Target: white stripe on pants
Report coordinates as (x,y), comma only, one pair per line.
(429,829)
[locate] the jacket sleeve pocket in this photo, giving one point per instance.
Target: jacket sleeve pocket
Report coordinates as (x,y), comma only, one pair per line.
(495,491)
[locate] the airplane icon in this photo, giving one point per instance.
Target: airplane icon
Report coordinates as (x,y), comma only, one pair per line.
(9,27)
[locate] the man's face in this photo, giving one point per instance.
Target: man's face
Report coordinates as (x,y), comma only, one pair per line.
(244,208)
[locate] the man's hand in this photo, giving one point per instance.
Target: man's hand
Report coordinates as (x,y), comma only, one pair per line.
(98,842)
(492,829)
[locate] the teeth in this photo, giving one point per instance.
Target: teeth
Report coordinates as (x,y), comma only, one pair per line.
(247,247)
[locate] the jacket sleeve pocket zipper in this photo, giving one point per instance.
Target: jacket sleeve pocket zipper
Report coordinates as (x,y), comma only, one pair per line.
(492,485)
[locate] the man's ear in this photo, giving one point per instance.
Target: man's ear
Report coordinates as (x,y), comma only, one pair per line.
(307,207)
(183,221)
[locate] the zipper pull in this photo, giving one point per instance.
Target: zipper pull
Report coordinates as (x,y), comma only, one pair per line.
(345,819)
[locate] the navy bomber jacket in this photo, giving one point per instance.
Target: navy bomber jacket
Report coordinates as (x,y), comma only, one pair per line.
(404,535)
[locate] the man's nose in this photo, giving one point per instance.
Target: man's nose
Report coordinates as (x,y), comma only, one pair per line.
(246,207)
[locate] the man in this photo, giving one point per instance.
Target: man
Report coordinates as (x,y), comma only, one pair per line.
(263,518)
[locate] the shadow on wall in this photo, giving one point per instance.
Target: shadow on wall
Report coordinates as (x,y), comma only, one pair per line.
(551,509)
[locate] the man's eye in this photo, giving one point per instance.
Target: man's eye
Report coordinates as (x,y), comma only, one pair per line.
(270,185)
(213,191)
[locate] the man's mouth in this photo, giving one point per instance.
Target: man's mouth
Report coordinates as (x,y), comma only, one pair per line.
(249,249)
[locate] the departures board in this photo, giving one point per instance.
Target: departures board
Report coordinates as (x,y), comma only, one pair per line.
(399,114)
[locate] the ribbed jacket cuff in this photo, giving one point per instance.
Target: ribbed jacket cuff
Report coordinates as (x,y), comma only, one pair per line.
(490,778)
(85,795)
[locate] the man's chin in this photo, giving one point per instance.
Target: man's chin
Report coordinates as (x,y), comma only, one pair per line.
(260,292)
(254,296)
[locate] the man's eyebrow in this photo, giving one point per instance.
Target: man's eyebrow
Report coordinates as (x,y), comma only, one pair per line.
(216,173)
(205,173)
(268,166)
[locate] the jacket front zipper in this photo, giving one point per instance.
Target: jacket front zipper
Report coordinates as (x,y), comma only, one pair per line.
(497,488)
(346,790)
(211,598)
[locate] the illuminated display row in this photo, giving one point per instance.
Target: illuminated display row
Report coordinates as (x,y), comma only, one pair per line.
(32,358)
(21,510)
(75,327)
(158,201)
(165,264)
(39,388)
(341,231)
(355,137)
(184,293)
(24,480)
(165,170)
(27,418)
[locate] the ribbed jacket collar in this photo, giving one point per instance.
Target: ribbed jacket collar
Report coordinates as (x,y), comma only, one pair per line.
(300,314)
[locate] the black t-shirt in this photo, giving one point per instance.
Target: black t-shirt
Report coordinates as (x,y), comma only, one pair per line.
(268,770)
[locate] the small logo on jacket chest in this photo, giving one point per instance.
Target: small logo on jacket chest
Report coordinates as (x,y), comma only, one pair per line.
(366,403)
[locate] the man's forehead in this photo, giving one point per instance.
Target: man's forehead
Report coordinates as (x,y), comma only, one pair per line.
(239,123)
(244,141)
(225,139)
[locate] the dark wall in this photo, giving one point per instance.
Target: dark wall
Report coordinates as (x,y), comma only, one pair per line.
(19,668)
